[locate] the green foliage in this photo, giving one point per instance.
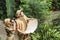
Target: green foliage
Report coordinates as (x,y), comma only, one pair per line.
(2,9)
(36,7)
(56,4)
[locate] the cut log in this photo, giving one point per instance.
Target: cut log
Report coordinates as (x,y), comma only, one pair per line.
(31,27)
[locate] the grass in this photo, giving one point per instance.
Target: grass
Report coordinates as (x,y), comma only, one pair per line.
(0,38)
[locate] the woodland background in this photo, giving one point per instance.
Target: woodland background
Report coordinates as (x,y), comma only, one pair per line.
(43,10)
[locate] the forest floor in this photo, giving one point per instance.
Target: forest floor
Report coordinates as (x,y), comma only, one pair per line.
(3,32)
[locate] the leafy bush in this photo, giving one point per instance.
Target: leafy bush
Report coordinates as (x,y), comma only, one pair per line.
(56,5)
(2,9)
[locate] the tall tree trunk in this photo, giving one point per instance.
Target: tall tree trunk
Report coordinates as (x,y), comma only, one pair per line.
(10,8)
